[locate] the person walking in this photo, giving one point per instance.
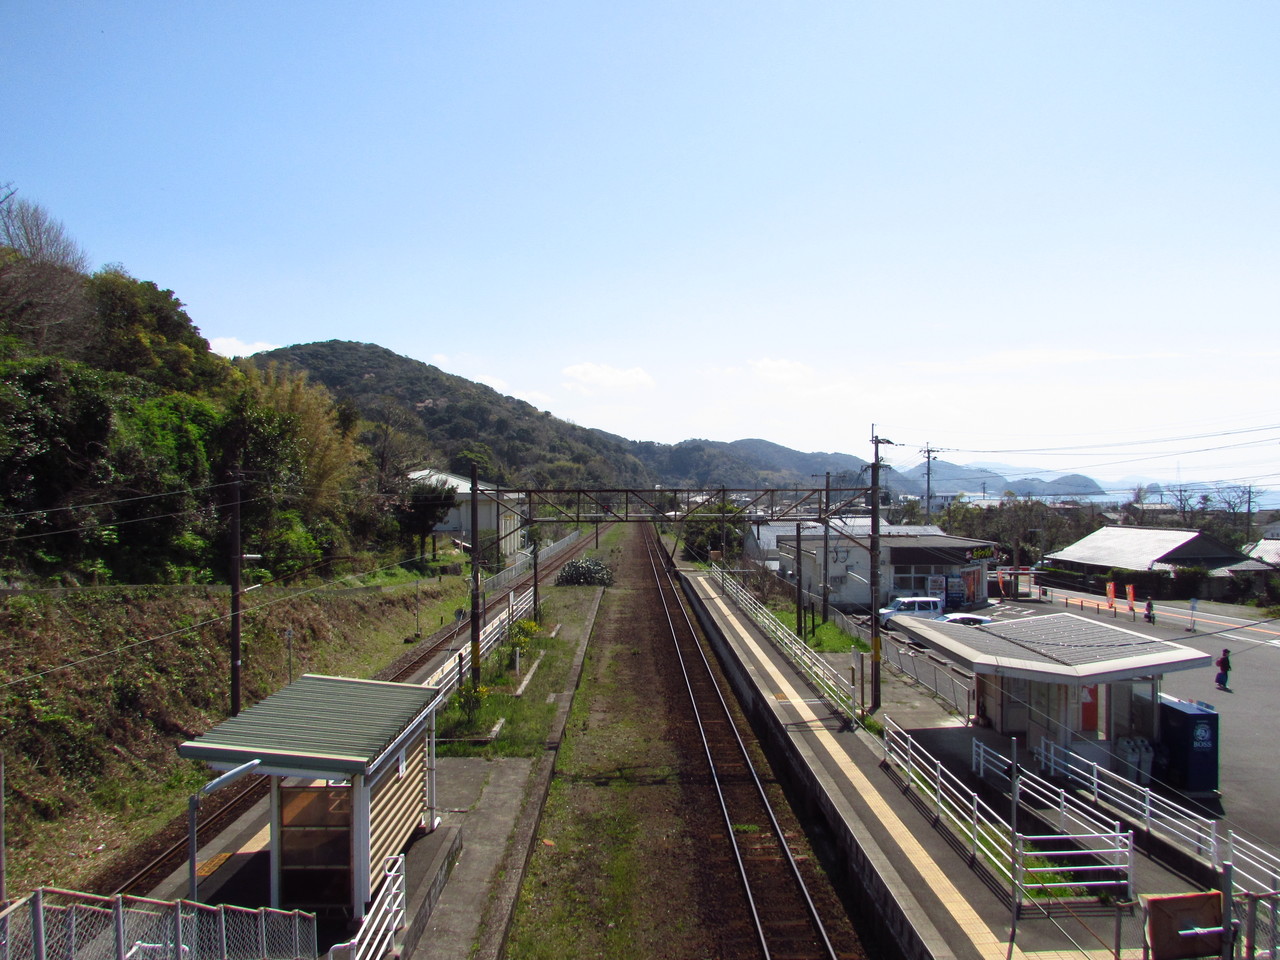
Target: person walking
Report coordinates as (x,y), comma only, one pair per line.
(1150,614)
(1223,664)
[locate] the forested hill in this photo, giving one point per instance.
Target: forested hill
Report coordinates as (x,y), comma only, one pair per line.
(519,445)
(457,420)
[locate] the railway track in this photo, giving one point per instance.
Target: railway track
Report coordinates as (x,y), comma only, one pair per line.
(156,858)
(778,916)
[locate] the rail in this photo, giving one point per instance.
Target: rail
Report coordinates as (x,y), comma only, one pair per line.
(515,571)
(987,835)
(450,674)
(826,679)
(386,916)
(54,924)
(1138,805)
(1049,802)
(1088,861)
(948,681)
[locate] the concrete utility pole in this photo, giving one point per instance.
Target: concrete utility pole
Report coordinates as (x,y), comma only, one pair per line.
(875,567)
(236,559)
(475,576)
(929,457)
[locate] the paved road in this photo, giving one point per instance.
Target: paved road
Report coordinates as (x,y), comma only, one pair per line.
(1248,724)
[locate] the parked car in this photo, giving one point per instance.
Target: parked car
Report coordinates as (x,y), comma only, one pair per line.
(968,619)
(925,608)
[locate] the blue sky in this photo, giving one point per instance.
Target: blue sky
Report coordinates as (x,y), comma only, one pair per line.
(1026,232)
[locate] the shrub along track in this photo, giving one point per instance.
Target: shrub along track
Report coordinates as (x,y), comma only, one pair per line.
(636,858)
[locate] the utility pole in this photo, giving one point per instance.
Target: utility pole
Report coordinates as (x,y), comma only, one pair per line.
(799,587)
(929,457)
(475,575)
(236,559)
(826,550)
(875,567)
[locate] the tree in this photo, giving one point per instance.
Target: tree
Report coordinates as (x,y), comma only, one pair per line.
(713,527)
(145,331)
(330,455)
(428,503)
(29,230)
(42,297)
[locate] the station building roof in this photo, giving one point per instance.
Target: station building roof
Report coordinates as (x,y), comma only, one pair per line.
(319,727)
(1057,648)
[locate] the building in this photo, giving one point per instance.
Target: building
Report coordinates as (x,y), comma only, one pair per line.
(914,561)
(502,511)
(1162,550)
(352,767)
(1064,679)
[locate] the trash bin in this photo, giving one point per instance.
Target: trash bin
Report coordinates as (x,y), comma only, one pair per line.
(1146,753)
(1189,742)
(1127,758)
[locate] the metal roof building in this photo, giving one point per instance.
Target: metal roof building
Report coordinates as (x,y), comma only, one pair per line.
(1063,647)
(1064,678)
(1149,548)
(352,764)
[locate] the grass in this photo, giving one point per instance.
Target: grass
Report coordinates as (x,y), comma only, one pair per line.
(826,638)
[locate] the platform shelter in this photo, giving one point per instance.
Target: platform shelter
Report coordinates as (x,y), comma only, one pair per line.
(352,767)
(1070,680)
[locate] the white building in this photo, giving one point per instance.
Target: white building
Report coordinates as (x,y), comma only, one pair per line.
(502,511)
(914,561)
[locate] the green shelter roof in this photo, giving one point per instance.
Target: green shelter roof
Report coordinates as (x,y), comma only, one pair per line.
(323,727)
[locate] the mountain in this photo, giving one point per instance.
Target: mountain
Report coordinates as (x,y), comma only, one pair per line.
(455,417)
(948,479)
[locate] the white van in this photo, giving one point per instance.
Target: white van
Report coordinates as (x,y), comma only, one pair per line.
(924,607)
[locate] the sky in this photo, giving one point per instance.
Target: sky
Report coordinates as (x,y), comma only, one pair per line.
(1028,233)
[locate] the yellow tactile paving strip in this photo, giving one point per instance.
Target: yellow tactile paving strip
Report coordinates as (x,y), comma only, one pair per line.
(984,940)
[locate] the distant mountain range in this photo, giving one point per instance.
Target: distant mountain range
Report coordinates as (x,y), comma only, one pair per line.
(453,418)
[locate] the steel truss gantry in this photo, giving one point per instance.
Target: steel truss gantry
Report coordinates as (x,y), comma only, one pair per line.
(672,505)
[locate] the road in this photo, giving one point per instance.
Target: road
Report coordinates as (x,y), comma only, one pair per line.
(1248,724)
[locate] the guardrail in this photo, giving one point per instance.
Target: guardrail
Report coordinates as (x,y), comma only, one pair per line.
(522,566)
(946,680)
(1137,804)
(1046,800)
(386,916)
(1094,859)
(837,690)
(985,832)
(449,675)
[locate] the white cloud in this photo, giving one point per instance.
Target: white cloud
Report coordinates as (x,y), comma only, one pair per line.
(598,378)
(233,347)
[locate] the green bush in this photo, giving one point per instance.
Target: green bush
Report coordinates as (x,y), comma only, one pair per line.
(587,572)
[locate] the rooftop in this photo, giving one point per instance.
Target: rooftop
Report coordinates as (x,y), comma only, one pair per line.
(318,726)
(1061,646)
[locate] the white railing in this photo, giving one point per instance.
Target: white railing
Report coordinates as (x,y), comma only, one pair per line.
(1136,804)
(449,675)
(1049,802)
(830,684)
(984,831)
(522,566)
(1092,859)
(1064,863)
(385,918)
(946,680)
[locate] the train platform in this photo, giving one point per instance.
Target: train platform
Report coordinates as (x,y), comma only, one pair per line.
(463,878)
(952,908)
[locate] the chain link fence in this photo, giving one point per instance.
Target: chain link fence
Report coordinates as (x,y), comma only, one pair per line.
(53,924)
